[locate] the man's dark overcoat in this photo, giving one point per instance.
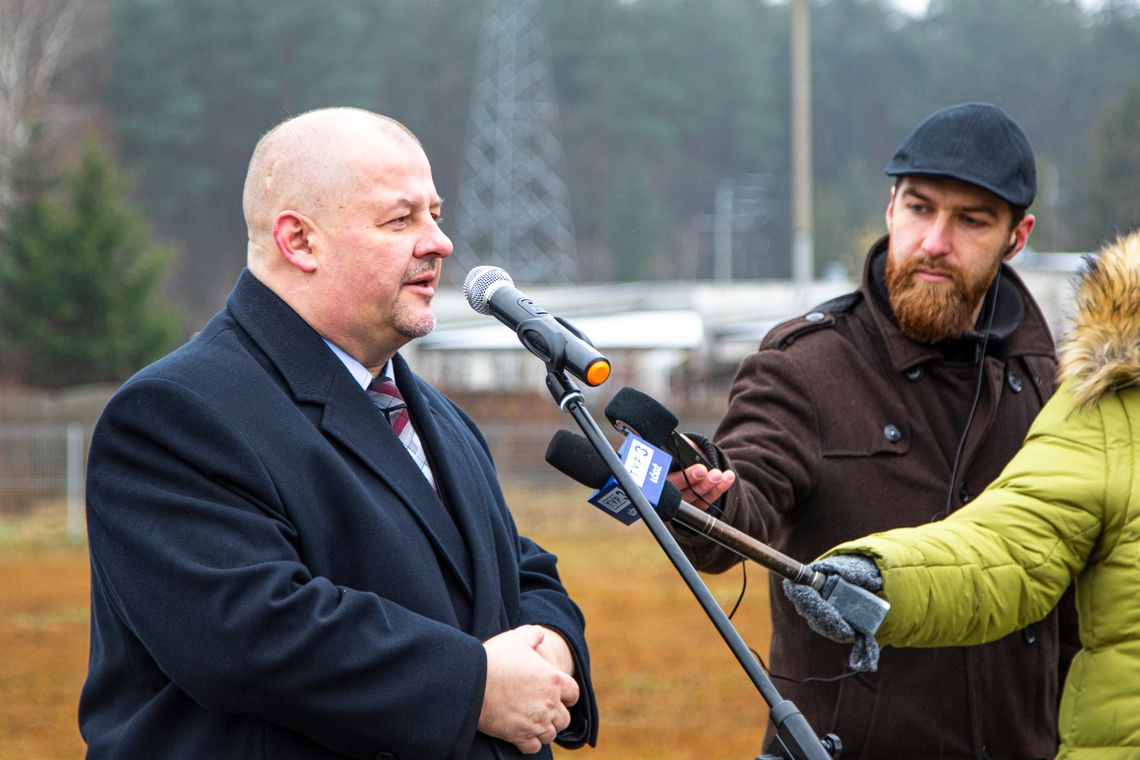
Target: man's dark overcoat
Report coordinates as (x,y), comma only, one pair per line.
(272,576)
(840,426)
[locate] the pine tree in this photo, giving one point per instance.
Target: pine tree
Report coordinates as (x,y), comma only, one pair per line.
(78,278)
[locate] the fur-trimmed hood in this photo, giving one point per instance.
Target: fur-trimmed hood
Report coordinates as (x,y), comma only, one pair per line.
(1102,352)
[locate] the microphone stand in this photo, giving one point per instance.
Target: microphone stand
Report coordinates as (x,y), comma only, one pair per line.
(793,730)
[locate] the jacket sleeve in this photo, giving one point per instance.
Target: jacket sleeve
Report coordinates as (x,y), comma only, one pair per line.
(1005,560)
(545,602)
(769,437)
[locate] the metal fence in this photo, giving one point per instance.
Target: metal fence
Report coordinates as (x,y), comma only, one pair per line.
(42,468)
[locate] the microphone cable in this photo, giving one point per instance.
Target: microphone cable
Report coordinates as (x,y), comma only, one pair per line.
(707,506)
(973,405)
(958,461)
(740,599)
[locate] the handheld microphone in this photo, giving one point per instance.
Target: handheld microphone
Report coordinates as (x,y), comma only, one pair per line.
(490,290)
(574,456)
(632,412)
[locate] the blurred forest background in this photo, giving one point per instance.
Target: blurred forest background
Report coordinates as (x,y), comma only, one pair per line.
(126,125)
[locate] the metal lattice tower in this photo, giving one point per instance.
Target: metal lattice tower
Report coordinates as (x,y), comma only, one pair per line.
(514,208)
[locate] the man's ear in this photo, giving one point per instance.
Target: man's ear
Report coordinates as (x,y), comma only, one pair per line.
(890,209)
(1020,236)
(292,233)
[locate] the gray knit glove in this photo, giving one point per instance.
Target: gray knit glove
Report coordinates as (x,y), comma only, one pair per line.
(825,620)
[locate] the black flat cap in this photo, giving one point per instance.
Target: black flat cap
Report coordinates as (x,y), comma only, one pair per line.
(976,143)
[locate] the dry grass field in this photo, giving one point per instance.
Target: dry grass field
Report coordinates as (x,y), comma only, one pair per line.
(668,687)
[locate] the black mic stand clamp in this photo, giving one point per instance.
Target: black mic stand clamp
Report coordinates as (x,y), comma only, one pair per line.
(793,732)
(561,387)
(830,742)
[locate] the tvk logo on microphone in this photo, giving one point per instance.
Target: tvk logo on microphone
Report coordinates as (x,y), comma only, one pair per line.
(647,465)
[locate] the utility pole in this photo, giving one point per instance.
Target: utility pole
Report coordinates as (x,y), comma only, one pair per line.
(802,245)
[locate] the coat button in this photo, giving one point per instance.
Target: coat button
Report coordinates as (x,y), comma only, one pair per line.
(892,433)
(963,494)
(1014,381)
(815,316)
(913,374)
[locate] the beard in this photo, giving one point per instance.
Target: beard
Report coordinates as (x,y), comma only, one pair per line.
(929,312)
(413,325)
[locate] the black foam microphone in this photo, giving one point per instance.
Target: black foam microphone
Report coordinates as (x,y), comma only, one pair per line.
(632,412)
(575,456)
(490,290)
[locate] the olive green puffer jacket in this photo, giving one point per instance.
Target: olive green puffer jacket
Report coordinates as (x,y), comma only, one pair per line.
(1066,507)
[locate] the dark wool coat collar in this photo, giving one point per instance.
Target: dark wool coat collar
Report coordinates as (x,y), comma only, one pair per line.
(1015,308)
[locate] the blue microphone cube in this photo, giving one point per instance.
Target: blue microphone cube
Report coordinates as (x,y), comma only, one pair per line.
(647,465)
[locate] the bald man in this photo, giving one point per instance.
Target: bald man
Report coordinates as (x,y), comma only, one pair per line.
(291,558)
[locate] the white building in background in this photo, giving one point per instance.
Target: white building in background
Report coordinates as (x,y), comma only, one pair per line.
(661,337)
(484,355)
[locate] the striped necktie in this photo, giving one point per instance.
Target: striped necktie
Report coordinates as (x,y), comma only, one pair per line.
(388,400)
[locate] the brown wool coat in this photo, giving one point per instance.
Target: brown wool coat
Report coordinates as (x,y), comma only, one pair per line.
(839,426)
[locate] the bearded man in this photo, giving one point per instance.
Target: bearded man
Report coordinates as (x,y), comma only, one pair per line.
(914,390)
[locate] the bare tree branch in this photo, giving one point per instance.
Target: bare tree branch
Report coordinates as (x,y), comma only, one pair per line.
(39,40)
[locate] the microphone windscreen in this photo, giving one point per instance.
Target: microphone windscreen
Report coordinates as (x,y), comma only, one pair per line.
(632,411)
(477,286)
(574,456)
